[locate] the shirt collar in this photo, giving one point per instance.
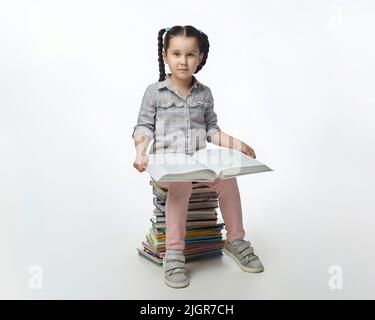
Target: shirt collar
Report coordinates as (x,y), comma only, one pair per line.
(166,83)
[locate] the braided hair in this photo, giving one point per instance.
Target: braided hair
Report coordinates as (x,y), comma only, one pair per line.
(185,31)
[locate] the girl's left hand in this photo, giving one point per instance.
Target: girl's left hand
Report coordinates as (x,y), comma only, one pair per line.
(247,150)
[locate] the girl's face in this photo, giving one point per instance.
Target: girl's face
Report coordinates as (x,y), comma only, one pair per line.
(183,56)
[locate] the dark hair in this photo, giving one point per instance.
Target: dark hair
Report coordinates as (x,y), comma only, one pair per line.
(185,31)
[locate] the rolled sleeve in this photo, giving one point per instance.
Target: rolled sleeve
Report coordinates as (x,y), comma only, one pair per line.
(211,120)
(146,116)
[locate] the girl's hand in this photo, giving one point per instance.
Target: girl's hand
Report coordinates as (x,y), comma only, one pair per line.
(140,162)
(247,150)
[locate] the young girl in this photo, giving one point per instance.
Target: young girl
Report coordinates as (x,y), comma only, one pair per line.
(178,113)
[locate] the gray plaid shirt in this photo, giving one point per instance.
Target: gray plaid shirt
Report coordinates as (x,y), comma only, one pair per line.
(176,123)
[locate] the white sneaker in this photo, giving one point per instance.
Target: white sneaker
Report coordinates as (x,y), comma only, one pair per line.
(175,273)
(243,253)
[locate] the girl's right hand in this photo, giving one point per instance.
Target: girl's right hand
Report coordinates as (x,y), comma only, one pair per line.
(140,162)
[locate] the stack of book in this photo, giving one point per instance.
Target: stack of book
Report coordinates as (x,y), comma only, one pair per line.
(204,236)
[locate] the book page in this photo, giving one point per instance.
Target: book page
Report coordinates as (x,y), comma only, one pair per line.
(229,162)
(177,167)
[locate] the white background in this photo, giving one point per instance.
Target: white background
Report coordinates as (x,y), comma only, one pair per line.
(293,79)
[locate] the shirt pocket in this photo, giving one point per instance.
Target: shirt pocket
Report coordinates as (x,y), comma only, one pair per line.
(198,110)
(169,103)
(170,114)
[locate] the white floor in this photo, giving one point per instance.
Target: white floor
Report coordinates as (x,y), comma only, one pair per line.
(91,253)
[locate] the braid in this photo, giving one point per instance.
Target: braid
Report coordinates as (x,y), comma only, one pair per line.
(162,74)
(204,47)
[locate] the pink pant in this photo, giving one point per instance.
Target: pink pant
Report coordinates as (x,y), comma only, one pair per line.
(177,205)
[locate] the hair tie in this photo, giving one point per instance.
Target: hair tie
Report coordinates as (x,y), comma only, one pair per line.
(167,29)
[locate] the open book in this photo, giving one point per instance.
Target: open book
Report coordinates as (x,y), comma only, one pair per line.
(204,165)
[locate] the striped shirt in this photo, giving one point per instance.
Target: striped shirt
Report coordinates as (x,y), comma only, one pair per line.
(176,123)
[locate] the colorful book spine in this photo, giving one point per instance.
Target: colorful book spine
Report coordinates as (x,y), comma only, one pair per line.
(204,236)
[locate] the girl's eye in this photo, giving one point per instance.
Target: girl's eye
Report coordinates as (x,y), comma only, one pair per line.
(190,54)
